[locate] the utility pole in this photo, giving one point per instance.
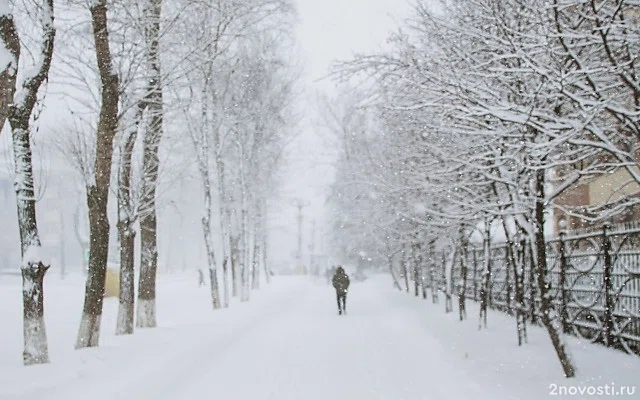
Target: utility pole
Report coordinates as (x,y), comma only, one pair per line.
(300,205)
(312,247)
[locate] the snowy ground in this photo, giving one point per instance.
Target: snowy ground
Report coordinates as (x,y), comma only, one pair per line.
(289,343)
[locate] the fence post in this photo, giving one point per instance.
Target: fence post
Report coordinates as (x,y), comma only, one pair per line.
(507,263)
(564,317)
(475,274)
(608,301)
(532,283)
(432,272)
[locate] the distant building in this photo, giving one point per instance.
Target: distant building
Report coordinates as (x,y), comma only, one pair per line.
(607,188)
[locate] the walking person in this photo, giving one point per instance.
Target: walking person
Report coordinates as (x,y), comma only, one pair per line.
(341,284)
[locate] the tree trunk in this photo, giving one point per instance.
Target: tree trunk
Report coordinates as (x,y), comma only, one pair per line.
(416,273)
(420,259)
(518,272)
(225,225)
(432,275)
(126,233)
(146,315)
(124,325)
(17,107)
(548,314)
(89,332)
(263,238)
(33,269)
(98,191)
(255,262)
(486,277)
(225,281)
(462,292)
(448,263)
(146,310)
(405,271)
(215,292)
(244,236)
(36,350)
(208,240)
(234,265)
(9,38)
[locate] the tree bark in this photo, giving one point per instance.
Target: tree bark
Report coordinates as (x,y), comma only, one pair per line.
(432,275)
(208,240)
(225,224)
(19,114)
(126,233)
(263,238)
(548,314)
(146,313)
(98,191)
(234,264)
(33,269)
(462,292)
(244,249)
(486,277)
(405,271)
(126,301)
(416,269)
(255,261)
(11,41)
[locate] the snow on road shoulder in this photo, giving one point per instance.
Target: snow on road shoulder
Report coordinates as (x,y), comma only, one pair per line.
(492,355)
(289,343)
(187,325)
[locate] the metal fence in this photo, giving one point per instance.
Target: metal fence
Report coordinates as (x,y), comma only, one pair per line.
(595,283)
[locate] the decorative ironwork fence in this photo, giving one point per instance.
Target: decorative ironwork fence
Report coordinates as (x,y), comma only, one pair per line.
(595,283)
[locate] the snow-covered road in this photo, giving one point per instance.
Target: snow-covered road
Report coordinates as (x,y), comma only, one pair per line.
(289,343)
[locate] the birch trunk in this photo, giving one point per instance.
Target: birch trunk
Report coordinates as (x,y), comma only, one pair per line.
(208,239)
(462,292)
(235,261)
(405,270)
(225,225)
(263,239)
(146,314)
(265,265)
(126,297)
(126,232)
(255,259)
(255,263)
(486,277)
(244,237)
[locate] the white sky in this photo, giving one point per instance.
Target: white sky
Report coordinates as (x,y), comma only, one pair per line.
(327,31)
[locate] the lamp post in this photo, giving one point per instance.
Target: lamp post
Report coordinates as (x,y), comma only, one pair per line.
(300,204)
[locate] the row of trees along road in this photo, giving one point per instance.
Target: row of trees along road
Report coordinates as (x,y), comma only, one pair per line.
(214,74)
(482,113)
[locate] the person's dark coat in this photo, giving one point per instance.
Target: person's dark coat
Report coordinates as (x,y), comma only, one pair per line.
(341,281)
